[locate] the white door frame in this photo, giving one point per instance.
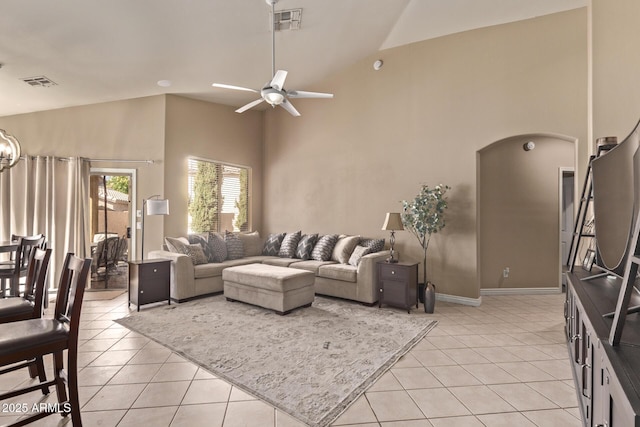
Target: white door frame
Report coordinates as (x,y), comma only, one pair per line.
(561,173)
(133,188)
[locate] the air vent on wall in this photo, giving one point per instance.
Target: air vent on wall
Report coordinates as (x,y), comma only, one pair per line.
(39,81)
(287,19)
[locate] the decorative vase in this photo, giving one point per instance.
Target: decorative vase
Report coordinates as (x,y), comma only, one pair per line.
(429,297)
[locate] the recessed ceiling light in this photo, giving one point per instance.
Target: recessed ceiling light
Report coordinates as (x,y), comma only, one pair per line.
(164,83)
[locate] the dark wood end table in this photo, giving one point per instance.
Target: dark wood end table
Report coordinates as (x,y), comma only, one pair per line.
(398,284)
(149,281)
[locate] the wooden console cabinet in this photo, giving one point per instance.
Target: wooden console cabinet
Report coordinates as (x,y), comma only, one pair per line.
(149,281)
(397,284)
(607,378)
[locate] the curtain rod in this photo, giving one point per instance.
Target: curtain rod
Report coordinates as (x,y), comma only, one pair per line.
(149,162)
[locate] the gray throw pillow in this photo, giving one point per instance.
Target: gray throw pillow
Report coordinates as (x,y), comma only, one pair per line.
(194,252)
(344,248)
(289,245)
(305,246)
(272,244)
(358,253)
(217,248)
(203,241)
(174,243)
(375,245)
(235,249)
(324,248)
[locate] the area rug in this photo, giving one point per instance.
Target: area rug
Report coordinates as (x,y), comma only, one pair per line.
(311,363)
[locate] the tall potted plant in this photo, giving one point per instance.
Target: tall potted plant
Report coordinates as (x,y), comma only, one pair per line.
(424,216)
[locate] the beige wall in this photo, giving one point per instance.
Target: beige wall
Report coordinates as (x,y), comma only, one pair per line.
(213,132)
(616,88)
(421,119)
(131,129)
(519,211)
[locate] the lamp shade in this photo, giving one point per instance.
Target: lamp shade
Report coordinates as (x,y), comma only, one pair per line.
(393,221)
(158,207)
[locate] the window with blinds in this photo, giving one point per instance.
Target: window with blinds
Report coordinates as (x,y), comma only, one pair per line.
(218,197)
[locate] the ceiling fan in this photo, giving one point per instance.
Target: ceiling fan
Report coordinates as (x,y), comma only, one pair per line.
(273,92)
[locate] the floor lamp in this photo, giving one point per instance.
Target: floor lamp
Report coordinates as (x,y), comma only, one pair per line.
(154,206)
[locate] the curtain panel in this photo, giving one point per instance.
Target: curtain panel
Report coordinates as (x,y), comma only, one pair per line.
(48,195)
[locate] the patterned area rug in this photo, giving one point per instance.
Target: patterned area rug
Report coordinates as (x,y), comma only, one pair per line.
(311,363)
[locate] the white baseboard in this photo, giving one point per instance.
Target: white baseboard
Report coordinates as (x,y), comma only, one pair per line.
(474,302)
(520,291)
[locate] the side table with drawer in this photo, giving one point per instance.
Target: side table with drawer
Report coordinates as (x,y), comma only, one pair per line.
(398,284)
(149,281)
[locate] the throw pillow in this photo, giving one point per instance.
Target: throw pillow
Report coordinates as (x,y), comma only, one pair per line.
(305,246)
(375,245)
(324,248)
(217,248)
(235,249)
(251,243)
(196,253)
(343,249)
(272,244)
(289,245)
(174,243)
(203,241)
(358,253)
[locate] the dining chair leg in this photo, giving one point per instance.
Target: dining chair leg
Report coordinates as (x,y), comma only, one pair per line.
(58,367)
(72,381)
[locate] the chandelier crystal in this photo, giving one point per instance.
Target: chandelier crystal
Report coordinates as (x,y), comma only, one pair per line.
(9,150)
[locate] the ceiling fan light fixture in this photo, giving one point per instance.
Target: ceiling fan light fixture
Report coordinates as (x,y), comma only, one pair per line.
(273,96)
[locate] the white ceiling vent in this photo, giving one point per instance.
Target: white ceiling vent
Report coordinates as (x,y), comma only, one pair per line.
(287,19)
(39,81)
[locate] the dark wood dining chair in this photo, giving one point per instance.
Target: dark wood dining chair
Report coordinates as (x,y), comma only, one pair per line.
(29,305)
(24,341)
(12,272)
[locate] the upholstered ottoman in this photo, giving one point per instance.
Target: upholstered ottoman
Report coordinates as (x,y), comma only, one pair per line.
(280,289)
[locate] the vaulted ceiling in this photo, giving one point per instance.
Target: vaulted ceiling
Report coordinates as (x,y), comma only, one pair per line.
(119,49)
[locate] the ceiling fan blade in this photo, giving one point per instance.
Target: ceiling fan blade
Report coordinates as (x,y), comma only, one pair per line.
(278,80)
(290,108)
(225,86)
(303,94)
(249,105)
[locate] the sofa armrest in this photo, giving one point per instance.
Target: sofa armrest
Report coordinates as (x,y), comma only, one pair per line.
(182,274)
(368,276)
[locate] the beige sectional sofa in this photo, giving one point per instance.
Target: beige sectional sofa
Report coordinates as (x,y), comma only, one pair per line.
(357,283)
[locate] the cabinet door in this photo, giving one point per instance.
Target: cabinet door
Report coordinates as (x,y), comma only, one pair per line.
(394,293)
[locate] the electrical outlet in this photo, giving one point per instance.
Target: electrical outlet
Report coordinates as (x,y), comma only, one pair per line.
(138,225)
(138,213)
(505,272)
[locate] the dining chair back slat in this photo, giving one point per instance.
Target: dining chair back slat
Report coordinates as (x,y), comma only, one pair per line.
(13,272)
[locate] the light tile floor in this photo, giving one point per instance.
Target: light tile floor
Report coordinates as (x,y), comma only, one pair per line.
(501,364)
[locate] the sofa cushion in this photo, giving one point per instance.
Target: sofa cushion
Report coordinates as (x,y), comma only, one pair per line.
(310,265)
(280,262)
(342,272)
(203,241)
(289,245)
(251,243)
(215,269)
(272,244)
(375,245)
(358,253)
(235,249)
(194,252)
(344,248)
(305,246)
(217,248)
(324,248)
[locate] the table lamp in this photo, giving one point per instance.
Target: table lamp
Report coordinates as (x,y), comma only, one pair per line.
(392,222)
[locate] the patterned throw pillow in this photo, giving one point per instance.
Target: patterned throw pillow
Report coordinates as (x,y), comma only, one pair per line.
(217,248)
(272,244)
(375,245)
(235,250)
(305,246)
(358,253)
(194,252)
(203,241)
(343,249)
(324,248)
(174,243)
(289,245)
